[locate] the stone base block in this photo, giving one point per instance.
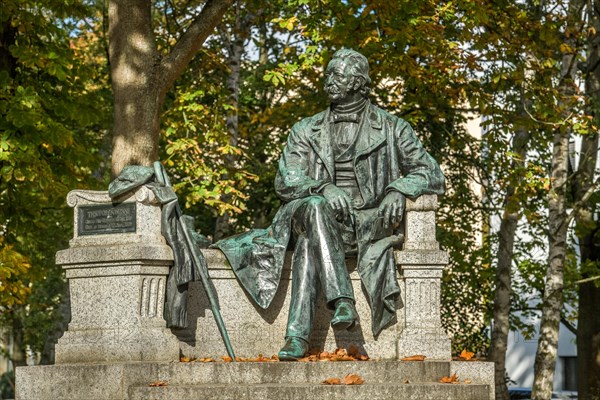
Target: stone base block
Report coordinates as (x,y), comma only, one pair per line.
(254,331)
(435,345)
(117,304)
(119,344)
(128,381)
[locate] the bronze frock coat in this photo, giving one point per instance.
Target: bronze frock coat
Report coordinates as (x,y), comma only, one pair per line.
(388,156)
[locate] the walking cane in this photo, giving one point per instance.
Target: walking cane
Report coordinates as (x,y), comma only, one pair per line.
(163,179)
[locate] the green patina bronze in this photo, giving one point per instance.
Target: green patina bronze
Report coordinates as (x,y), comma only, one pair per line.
(344,176)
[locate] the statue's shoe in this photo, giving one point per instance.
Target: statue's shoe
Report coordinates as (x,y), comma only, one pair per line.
(293,349)
(345,315)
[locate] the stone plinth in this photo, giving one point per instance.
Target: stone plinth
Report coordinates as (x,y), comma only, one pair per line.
(398,380)
(422,264)
(117,266)
(254,331)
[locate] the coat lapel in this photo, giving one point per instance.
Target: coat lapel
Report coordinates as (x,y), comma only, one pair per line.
(320,140)
(371,134)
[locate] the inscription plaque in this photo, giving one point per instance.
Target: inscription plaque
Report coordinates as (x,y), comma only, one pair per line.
(106,218)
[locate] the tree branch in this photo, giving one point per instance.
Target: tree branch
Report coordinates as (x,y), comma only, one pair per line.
(586,280)
(568,325)
(583,201)
(190,42)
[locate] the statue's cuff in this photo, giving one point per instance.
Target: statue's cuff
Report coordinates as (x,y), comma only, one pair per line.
(319,189)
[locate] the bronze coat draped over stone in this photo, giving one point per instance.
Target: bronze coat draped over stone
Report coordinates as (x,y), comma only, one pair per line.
(388,156)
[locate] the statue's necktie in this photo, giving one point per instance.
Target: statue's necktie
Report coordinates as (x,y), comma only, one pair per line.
(353,117)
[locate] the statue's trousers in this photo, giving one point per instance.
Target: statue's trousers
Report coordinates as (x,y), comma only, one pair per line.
(319,258)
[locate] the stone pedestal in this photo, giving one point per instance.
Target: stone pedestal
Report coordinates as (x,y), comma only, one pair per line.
(117,265)
(254,331)
(117,342)
(417,330)
(421,263)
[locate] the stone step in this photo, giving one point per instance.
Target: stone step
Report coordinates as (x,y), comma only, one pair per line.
(254,380)
(195,373)
(270,391)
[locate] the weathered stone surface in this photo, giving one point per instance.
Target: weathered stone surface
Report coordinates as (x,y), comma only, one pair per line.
(434,344)
(117,288)
(383,380)
(476,371)
(421,257)
(253,330)
(423,332)
(147,215)
(118,282)
(422,203)
(82,381)
(419,224)
(101,255)
(426,391)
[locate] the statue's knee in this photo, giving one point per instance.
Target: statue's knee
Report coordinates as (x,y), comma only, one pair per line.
(314,207)
(317,205)
(317,202)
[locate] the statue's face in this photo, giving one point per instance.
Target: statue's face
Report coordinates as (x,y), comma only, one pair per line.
(339,83)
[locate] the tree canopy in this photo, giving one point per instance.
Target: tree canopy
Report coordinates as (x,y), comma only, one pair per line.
(216,87)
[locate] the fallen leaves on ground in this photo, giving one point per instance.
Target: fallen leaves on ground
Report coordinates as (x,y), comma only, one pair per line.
(467,381)
(466,355)
(416,357)
(350,379)
(205,360)
(406,381)
(332,381)
(353,379)
(158,383)
(352,354)
(260,358)
(449,379)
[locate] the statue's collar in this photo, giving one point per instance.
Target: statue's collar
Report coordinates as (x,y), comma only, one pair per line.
(373,116)
(352,108)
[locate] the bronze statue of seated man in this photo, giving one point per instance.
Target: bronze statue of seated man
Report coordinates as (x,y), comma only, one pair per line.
(344,176)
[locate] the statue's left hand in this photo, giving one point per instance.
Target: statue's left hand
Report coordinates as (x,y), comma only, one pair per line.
(391,208)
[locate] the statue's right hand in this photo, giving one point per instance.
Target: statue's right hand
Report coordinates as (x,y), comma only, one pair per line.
(338,200)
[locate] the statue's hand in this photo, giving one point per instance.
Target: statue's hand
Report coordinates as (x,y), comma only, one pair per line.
(338,200)
(391,208)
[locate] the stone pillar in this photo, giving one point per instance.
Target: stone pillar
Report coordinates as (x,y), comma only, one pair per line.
(117,266)
(421,263)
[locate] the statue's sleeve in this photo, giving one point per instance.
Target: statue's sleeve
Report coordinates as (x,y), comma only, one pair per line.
(421,174)
(293,180)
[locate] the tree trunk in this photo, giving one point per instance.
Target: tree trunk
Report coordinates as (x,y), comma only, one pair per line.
(235,50)
(546,355)
(133,63)
(18,356)
(588,333)
(545,359)
(7,39)
(141,77)
(588,324)
(503,292)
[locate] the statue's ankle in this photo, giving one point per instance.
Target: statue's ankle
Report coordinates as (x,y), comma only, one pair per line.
(343,300)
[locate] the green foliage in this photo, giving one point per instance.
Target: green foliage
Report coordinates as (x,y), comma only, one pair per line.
(54,108)
(436,64)
(13,266)
(197,148)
